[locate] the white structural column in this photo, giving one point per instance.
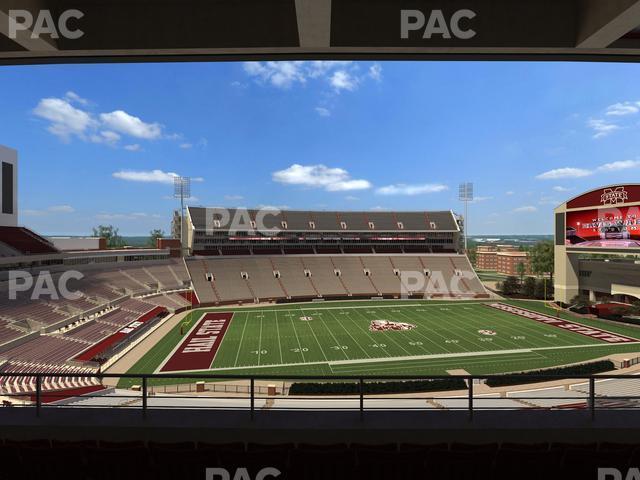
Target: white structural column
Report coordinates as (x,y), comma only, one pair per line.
(602,22)
(8,187)
(314,23)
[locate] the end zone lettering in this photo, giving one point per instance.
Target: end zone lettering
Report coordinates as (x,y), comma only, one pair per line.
(206,336)
(198,350)
(565,324)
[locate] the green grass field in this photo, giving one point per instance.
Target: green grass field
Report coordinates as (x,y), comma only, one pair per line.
(337,341)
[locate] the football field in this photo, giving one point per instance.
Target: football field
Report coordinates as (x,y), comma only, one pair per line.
(378,338)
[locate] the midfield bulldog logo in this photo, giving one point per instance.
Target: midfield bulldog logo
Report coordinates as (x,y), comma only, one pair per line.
(489,333)
(614,197)
(388,325)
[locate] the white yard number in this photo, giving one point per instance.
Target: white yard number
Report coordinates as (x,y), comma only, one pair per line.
(298,350)
(340,347)
(451,341)
(518,337)
(379,345)
(415,343)
(259,352)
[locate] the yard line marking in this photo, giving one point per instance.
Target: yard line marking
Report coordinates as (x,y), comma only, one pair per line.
(347,332)
(298,340)
(417,331)
(452,303)
(334,338)
(317,341)
(260,343)
(279,342)
(496,353)
(368,333)
(246,320)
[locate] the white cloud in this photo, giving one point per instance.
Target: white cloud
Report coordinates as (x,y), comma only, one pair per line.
(479,199)
(378,208)
(526,209)
(375,72)
(279,74)
(323,112)
(343,80)
(569,172)
(624,108)
(74,97)
(351,198)
(602,128)
(105,136)
(319,176)
(133,147)
(558,188)
(566,172)
(152,176)
(122,122)
(233,198)
(548,201)
(186,146)
(403,189)
(619,165)
(61,209)
(273,207)
(340,75)
(52,209)
(66,120)
(510,192)
(127,216)
(320,68)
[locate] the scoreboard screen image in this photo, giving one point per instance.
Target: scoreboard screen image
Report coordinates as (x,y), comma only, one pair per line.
(614,227)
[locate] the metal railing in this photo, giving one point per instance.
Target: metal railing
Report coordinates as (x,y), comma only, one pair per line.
(148,393)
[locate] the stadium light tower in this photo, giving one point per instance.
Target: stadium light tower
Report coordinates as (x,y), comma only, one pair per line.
(182,190)
(465,194)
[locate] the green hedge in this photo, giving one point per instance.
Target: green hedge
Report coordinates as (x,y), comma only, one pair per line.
(582,369)
(353,388)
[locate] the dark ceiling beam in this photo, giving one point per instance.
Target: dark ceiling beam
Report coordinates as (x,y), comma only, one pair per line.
(314,23)
(23,37)
(602,22)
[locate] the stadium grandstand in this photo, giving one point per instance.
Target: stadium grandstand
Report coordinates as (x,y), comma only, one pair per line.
(315,344)
(270,255)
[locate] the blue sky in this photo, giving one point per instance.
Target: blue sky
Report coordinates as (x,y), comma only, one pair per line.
(98,144)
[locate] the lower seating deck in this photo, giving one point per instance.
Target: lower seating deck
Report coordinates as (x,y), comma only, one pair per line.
(241,279)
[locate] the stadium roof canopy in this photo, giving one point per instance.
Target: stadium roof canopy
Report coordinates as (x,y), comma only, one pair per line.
(151,30)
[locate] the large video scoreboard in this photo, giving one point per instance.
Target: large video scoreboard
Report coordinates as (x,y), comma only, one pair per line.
(605,220)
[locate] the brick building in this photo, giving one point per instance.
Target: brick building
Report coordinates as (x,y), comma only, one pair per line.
(502,259)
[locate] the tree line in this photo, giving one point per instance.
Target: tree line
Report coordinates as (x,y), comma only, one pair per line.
(114,240)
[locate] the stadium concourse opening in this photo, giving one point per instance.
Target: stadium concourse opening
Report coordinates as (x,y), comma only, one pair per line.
(321,341)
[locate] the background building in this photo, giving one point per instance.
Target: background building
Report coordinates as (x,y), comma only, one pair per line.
(502,259)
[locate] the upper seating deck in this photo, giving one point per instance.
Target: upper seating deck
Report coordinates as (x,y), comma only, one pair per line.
(330,221)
